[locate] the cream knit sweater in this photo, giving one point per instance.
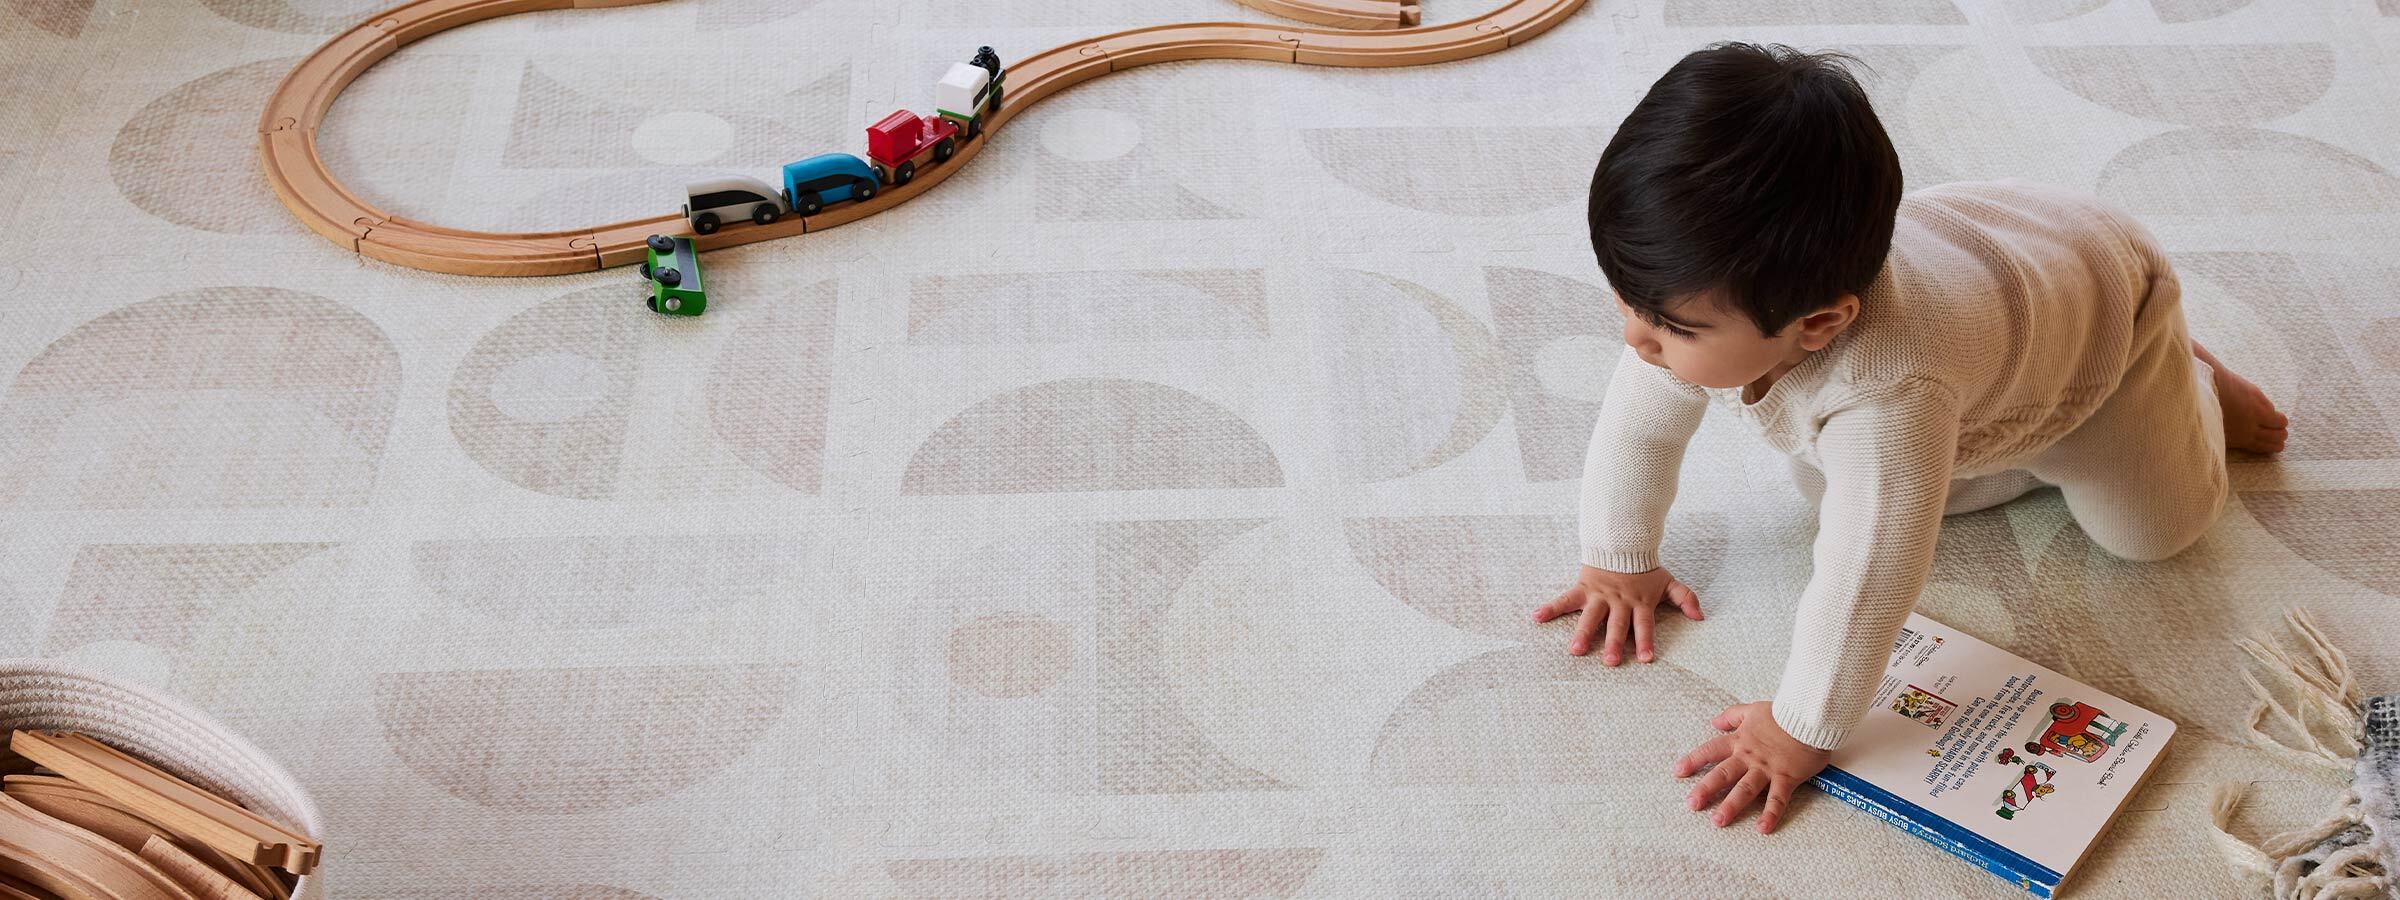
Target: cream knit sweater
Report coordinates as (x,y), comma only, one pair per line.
(2005,314)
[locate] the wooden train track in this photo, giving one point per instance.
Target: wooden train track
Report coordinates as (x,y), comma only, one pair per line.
(287,130)
(1360,14)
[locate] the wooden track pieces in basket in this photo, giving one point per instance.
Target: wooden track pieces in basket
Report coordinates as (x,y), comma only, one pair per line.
(85,808)
(168,801)
(287,130)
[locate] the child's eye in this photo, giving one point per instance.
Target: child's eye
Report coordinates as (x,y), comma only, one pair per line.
(1678,332)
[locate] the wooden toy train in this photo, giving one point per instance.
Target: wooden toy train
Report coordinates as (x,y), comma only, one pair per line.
(898,147)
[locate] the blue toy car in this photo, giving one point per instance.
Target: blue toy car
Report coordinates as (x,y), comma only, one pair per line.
(827,178)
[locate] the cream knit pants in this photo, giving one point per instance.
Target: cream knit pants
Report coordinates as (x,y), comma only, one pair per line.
(2144,475)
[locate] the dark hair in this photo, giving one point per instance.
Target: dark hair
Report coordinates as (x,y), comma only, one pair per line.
(1761,172)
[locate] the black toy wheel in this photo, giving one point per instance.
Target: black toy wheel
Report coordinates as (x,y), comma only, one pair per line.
(661,243)
(645,270)
(808,204)
(650,300)
(669,277)
(705,223)
(943,150)
(864,191)
(765,214)
(907,171)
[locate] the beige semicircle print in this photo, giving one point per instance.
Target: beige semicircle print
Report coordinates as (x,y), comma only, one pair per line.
(2223,162)
(2248,171)
(1419,381)
(245,397)
(2193,84)
(1091,434)
(204,134)
(578,740)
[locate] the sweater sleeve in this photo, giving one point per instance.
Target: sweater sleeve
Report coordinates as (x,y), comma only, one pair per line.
(1887,458)
(1630,469)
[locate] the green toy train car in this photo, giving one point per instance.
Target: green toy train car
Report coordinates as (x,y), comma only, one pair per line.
(673,274)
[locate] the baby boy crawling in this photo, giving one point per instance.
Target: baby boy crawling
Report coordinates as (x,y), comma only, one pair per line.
(1916,356)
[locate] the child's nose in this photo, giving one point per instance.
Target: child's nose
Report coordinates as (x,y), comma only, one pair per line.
(1639,338)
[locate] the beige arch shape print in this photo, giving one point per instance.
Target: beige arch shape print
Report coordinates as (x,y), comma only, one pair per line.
(287,131)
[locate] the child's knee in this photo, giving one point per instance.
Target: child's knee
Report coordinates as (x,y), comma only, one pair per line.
(2147,547)
(2167,531)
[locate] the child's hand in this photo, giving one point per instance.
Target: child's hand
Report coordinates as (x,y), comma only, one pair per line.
(1756,758)
(1625,603)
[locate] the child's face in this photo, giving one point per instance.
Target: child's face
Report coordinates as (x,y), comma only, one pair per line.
(1706,345)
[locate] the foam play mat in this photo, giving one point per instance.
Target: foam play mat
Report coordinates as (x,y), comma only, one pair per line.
(1148,500)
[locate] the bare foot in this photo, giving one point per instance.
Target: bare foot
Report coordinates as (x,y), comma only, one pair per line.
(2251,421)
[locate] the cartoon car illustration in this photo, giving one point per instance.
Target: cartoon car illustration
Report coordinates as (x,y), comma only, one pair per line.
(2077,730)
(900,143)
(2033,783)
(712,201)
(969,91)
(672,269)
(826,178)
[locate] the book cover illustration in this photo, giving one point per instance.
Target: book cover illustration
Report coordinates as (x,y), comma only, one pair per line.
(1993,757)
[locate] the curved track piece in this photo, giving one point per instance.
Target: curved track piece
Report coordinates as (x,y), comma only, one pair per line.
(288,149)
(1359,14)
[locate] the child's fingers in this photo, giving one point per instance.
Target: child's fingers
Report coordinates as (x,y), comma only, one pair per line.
(1614,651)
(1685,600)
(1731,718)
(1566,603)
(1586,627)
(1714,783)
(1643,616)
(1738,800)
(1713,750)
(1779,795)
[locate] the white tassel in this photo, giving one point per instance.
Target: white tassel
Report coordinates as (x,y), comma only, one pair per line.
(2327,730)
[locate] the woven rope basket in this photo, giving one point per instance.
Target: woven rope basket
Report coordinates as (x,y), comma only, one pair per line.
(40,694)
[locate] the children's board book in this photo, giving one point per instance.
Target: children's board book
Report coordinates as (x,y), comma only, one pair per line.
(2007,764)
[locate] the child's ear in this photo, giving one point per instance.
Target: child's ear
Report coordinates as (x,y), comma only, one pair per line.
(1819,328)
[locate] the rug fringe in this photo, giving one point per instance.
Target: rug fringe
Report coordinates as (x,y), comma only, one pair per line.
(2323,690)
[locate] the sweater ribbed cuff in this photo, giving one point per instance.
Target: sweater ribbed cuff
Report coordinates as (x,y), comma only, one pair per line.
(1820,735)
(1626,562)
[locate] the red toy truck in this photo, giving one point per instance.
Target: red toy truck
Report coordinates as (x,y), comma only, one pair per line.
(2078,731)
(896,144)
